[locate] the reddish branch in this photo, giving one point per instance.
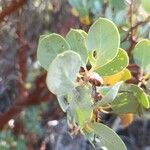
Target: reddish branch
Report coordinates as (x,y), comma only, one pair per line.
(16,4)
(131,32)
(135,27)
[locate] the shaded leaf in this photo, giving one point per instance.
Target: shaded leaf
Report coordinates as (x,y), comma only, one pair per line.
(125,103)
(139,93)
(108,138)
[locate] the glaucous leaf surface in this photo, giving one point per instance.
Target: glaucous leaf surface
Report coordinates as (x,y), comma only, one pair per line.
(119,63)
(103,36)
(132,99)
(49,47)
(125,103)
(76,39)
(80,104)
(63,102)
(108,139)
(62,73)
(110,95)
(138,92)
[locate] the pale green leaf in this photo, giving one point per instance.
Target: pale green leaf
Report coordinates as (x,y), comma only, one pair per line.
(119,63)
(63,102)
(62,73)
(84,34)
(80,104)
(107,137)
(110,96)
(77,43)
(103,36)
(141,54)
(49,47)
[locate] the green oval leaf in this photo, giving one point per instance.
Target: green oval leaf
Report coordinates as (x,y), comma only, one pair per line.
(108,138)
(119,63)
(76,39)
(110,96)
(132,99)
(103,36)
(139,93)
(62,73)
(49,47)
(141,54)
(125,103)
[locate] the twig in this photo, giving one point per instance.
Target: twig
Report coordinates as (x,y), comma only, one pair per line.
(135,27)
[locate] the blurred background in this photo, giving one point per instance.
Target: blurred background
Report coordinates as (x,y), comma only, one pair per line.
(30,117)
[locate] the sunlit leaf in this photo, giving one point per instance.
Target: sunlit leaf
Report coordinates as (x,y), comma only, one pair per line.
(84,34)
(62,73)
(121,76)
(119,63)
(141,54)
(77,43)
(49,47)
(107,137)
(103,36)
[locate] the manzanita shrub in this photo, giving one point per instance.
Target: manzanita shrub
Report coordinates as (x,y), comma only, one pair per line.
(88,73)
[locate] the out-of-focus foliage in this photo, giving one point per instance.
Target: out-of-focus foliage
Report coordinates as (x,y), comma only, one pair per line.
(30,120)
